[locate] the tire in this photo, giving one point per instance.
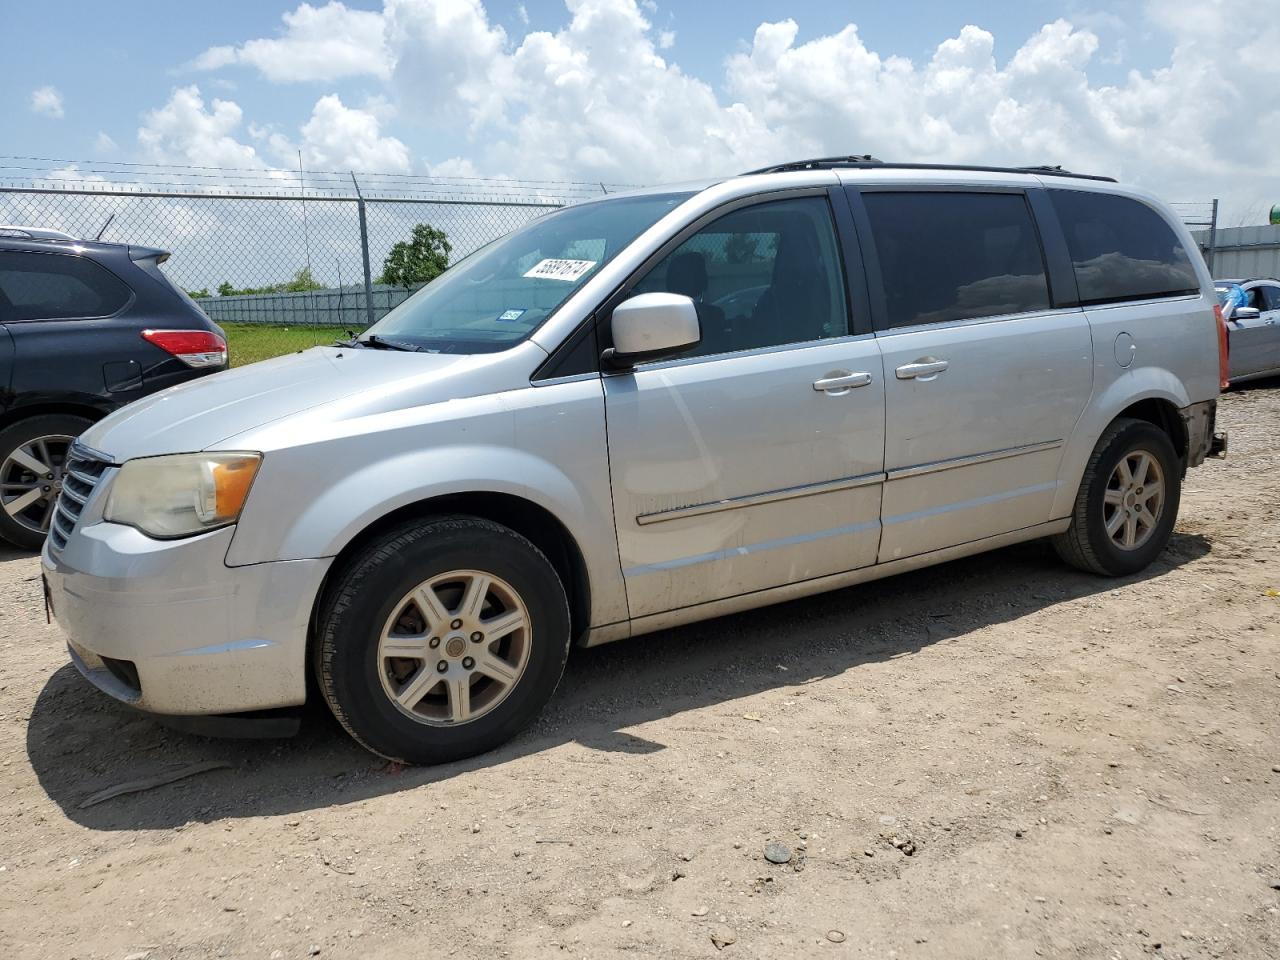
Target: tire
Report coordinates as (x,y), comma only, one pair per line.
(1087,544)
(384,602)
(44,438)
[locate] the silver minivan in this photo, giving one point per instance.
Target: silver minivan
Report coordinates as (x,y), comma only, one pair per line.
(638,412)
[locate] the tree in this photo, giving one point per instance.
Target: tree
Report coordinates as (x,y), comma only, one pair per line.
(301,282)
(198,294)
(421,258)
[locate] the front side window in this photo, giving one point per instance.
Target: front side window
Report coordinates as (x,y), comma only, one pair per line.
(1270,297)
(761,276)
(503,292)
(55,286)
(956,256)
(1121,248)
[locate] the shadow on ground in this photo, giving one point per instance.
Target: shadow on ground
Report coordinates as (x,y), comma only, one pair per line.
(79,741)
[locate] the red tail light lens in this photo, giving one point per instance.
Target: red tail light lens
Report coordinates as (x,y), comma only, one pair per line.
(195,348)
(1224,346)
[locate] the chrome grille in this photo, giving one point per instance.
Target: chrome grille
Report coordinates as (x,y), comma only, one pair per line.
(81,474)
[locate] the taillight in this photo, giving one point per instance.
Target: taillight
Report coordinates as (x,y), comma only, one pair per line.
(1224,347)
(195,348)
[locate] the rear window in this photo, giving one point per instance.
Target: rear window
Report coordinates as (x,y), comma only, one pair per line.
(53,286)
(956,256)
(1122,249)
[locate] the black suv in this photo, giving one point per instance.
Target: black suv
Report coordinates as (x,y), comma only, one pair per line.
(85,327)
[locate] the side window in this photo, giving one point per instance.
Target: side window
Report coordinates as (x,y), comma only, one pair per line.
(760,276)
(1121,248)
(53,286)
(956,256)
(1270,298)
(1255,298)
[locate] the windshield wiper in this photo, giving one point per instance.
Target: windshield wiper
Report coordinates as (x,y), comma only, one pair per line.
(382,343)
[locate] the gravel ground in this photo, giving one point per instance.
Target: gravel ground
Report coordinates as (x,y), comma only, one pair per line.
(999,757)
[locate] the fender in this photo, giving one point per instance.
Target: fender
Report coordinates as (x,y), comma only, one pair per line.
(312,499)
(1132,386)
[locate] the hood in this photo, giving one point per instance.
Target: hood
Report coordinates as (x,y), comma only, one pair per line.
(200,414)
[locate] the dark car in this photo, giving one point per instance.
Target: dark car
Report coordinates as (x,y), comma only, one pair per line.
(85,327)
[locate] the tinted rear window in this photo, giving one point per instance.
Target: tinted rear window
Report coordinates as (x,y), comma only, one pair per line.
(53,286)
(1121,248)
(954,256)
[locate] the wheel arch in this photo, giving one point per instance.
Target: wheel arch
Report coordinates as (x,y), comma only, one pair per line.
(51,407)
(1150,394)
(532,521)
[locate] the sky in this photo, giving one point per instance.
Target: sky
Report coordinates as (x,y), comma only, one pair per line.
(1174,95)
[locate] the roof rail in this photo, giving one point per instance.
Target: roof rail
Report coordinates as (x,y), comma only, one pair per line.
(868,162)
(36,233)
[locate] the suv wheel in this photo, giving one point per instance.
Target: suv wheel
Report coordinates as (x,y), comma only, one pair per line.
(442,639)
(33,453)
(1127,503)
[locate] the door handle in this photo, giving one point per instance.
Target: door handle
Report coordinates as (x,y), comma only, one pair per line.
(840,382)
(926,368)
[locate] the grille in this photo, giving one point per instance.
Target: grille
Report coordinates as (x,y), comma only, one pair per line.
(81,474)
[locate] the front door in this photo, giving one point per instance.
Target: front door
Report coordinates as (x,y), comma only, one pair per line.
(755,460)
(984,381)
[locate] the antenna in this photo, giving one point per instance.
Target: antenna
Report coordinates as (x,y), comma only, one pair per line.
(98,235)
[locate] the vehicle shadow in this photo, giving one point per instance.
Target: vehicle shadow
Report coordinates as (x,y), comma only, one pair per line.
(80,742)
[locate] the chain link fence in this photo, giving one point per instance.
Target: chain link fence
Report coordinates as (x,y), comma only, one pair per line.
(285,259)
(281,260)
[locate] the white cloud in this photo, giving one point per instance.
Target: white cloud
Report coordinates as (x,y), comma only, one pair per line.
(338,137)
(185,131)
(103,143)
(47,101)
(596,99)
(666,39)
(318,43)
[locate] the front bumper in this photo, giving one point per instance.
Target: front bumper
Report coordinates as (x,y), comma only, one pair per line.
(167,627)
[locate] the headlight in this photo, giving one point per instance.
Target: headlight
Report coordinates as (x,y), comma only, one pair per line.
(177,496)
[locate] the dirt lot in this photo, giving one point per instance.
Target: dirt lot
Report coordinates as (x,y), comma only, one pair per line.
(1069,766)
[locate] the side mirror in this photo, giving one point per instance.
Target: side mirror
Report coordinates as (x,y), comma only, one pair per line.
(651,326)
(1245,313)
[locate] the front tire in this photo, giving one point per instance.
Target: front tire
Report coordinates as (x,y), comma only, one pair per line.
(1127,503)
(442,639)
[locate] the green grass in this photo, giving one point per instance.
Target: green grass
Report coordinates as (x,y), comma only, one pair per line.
(250,342)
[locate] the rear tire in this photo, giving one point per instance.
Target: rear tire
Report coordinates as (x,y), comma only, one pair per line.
(1127,503)
(27,495)
(442,639)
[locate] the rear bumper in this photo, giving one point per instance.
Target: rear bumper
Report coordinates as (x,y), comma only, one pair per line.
(1203,440)
(167,627)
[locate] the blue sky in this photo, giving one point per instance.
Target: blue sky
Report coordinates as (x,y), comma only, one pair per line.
(638,91)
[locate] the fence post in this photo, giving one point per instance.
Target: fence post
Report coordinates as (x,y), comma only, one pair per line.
(364,251)
(1213,239)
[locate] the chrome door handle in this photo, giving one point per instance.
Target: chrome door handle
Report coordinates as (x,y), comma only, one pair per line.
(841,382)
(925,368)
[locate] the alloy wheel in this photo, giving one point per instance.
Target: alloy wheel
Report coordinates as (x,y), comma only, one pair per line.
(1134,500)
(454,647)
(31,479)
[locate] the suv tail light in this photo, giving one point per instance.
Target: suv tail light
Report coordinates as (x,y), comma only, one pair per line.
(1224,346)
(195,348)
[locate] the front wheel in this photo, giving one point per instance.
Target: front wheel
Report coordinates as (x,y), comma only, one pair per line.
(442,639)
(1127,503)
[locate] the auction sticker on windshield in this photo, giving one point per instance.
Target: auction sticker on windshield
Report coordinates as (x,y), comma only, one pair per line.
(569,270)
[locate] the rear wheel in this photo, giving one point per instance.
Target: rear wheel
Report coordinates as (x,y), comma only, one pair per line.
(1127,503)
(442,639)
(33,453)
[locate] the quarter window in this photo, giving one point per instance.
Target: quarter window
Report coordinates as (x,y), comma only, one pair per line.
(1121,248)
(760,276)
(50,286)
(956,256)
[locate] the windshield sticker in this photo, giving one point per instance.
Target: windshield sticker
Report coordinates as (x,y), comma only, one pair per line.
(569,270)
(511,315)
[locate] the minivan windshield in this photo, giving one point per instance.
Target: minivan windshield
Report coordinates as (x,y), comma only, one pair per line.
(500,294)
